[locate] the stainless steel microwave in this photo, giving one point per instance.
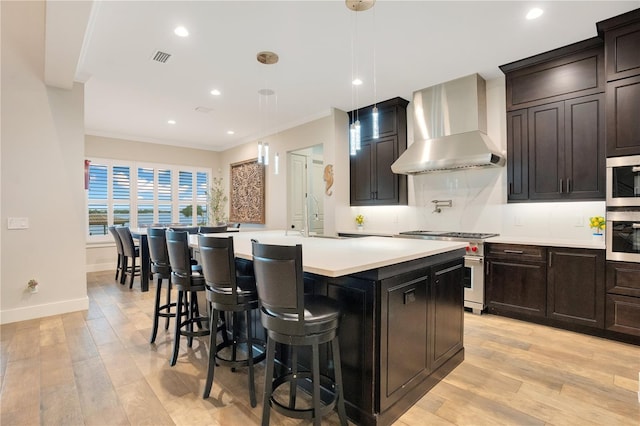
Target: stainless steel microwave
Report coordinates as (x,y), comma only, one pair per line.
(623,236)
(623,181)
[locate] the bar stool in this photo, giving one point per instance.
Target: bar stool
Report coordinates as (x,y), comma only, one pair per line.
(131,251)
(162,269)
(293,318)
(212,229)
(119,268)
(227,291)
(188,283)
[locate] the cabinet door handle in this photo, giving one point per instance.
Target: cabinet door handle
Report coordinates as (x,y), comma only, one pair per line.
(561,186)
(410,295)
(514,251)
(510,188)
(486,270)
(568,185)
(550,259)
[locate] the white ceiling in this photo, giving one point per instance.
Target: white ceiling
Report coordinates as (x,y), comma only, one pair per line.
(416,44)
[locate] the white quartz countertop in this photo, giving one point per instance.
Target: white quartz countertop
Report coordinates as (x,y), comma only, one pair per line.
(334,257)
(598,244)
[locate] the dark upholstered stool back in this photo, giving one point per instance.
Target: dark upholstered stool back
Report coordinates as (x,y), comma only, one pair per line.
(120,250)
(130,252)
(212,229)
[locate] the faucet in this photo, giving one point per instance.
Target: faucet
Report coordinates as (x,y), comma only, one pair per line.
(441,203)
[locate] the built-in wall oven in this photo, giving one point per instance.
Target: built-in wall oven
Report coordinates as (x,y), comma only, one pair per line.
(473,262)
(623,209)
(623,181)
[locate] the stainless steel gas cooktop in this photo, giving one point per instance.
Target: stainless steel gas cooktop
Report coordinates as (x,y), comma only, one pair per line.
(445,235)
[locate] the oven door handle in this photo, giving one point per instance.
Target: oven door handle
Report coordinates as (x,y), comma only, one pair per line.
(472,259)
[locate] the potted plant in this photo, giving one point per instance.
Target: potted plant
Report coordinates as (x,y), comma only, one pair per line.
(360,222)
(597,224)
(217,203)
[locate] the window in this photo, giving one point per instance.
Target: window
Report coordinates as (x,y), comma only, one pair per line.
(134,194)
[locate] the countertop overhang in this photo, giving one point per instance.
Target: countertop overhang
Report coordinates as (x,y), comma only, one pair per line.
(335,257)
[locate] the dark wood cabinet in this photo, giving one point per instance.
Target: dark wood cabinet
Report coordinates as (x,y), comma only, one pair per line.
(568,72)
(623,298)
(621,37)
(518,155)
(567,150)
(622,62)
(556,143)
(623,110)
(447,324)
(516,280)
(576,286)
(371,180)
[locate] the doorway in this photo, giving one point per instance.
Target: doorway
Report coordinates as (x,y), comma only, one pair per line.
(305,195)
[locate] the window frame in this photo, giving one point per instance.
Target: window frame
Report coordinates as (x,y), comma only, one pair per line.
(135,201)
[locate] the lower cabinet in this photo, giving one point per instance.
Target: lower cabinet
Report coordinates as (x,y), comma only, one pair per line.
(575,286)
(516,280)
(561,286)
(623,298)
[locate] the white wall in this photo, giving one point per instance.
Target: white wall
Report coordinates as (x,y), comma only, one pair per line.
(42,177)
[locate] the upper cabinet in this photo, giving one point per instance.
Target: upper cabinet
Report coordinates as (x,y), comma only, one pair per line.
(622,58)
(371,180)
(556,124)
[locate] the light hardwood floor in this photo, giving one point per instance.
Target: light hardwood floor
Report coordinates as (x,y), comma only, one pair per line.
(97,368)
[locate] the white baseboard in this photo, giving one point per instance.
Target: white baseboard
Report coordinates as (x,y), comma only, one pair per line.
(44,310)
(97,267)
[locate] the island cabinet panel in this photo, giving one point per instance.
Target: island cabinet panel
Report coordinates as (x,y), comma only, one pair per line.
(447,324)
(403,325)
(576,286)
(623,298)
(400,333)
(371,180)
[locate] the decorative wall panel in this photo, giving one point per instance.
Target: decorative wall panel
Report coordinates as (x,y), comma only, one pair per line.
(247,192)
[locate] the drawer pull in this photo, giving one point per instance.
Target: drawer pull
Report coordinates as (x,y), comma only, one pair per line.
(514,251)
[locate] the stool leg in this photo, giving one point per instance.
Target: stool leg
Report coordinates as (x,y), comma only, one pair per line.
(133,272)
(252,383)
(176,338)
(234,338)
(293,390)
(125,266)
(268,381)
(156,311)
(212,354)
(166,323)
(191,315)
(119,267)
(317,418)
(337,370)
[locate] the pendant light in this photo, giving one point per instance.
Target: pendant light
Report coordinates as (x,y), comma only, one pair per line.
(266,58)
(374,112)
(355,141)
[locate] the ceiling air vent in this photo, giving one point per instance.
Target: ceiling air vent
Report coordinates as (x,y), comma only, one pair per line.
(204,110)
(160,56)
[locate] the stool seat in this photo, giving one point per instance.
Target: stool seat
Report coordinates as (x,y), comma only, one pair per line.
(321,315)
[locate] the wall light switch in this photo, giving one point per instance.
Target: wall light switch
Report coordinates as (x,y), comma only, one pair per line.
(517,220)
(18,223)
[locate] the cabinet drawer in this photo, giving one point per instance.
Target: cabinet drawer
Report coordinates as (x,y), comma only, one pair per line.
(623,278)
(623,314)
(517,252)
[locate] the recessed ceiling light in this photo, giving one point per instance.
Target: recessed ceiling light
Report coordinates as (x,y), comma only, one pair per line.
(181,31)
(171,121)
(216,92)
(230,132)
(356,82)
(534,13)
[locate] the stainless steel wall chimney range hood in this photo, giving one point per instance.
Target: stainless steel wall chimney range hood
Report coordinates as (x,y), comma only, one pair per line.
(450,129)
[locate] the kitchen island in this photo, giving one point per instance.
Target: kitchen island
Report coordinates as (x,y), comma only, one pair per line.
(402,304)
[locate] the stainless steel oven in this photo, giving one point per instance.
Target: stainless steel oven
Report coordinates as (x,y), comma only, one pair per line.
(623,235)
(623,181)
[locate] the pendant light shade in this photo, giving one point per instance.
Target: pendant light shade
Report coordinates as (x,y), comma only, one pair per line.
(376,125)
(352,139)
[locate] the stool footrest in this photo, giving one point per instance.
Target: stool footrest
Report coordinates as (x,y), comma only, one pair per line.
(243,362)
(326,382)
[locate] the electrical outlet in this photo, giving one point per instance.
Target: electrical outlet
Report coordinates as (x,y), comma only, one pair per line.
(517,220)
(579,221)
(18,223)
